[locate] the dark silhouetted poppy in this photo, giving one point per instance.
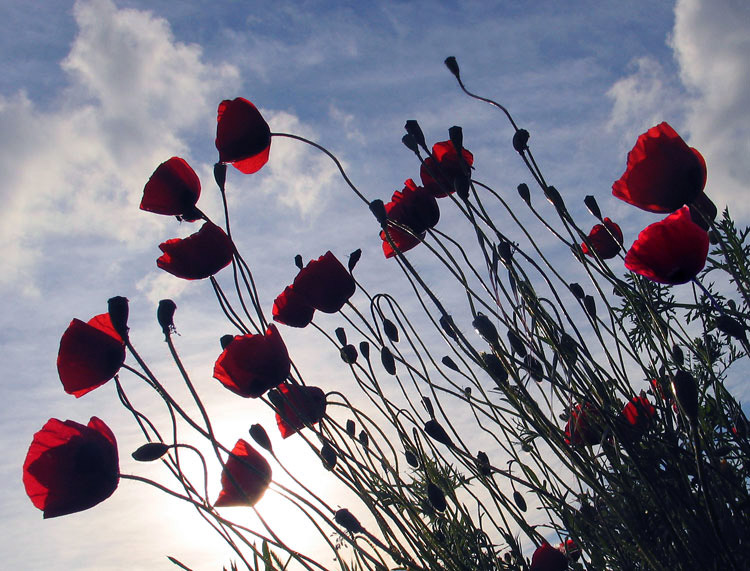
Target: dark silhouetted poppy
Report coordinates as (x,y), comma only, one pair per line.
(663,173)
(299,406)
(252,364)
(439,172)
(570,549)
(292,309)
(325,284)
(245,477)
(243,137)
(198,256)
(173,189)
(605,239)
(671,251)
(584,426)
(547,558)
(638,413)
(414,208)
(71,467)
(90,354)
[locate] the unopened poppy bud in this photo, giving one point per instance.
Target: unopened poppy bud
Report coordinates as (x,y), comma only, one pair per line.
(462,184)
(410,143)
(276,398)
(685,390)
(364,348)
(226,340)
(328,456)
(118,314)
(516,343)
(677,356)
(505,252)
(519,501)
(364,439)
(456,135)
(411,459)
(350,429)
(452,65)
(446,322)
(568,349)
(345,519)
(165,315)
(590,305)
(150,452)
(534,367)
(495,369)
(386,358)
(378,209)
(483,464)
(348,354)
(390,330)
(450,363)
(220,175)
(437,432)
(485,328)
(593,207)
(354,258)
(520,140)
(436,497)
(576,290)
(413,129)
(730,326)
(523,192)
(260,436)
(341,335)
(298,261)
(427,403)
(554,198)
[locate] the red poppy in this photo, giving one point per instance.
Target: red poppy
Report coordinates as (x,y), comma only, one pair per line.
(605,239)
(198,256)
(245,477)
(291,309)
(663,173)
(547,558)
(638,413)
(570,549)
(90,354)
(671,251)
(243,137)
(173,189)
(440,170)
(71,467)
(413,207)
(252,364)
(325,284)
(301,405)
(584,426)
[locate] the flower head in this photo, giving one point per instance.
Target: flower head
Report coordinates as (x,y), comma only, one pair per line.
(198,256)
(547,558)
(71,467)
(439,171)
(245,477)
(663,173)
(290,308)
(584,425)
(173,189)
(90,354)
(300,405)
(252,364)
(413,207)
(671,251)
(243,137)
(638,414)
(325,284)
(605,239)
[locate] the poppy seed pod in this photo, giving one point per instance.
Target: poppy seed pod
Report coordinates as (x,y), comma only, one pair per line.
(165,315)
(348,354)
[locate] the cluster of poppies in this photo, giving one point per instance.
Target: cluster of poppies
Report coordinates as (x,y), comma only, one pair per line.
(548,558)
(586,426)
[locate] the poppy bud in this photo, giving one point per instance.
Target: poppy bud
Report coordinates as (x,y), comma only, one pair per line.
(534,367)
(677,356)
(259,435)
(118,314)
(353,259)
(590,305)
(516,343)
(226,340)
(341,335)
(554,198)
(165,315)
(390,330)
(523,192)
(495,369)
(685,390)
(436,497)
(345,519)
(410,143)
(593,207)
(437,432)
(485,328)
(328,456)
(452,65)
(568,349)
(448,362)
(703,211)
(518,499)
(386,357)
(348,354)
(364,348)
(483,464)
(427,403)
(276,398)
(730,326)
(364,440)
(220,175)
(150,452)
(413,129)
(576,290)
(520,140)
(298,261)
(446,322)
(378,209)
(411,459)
(350,427)
(461,184)
(456,135)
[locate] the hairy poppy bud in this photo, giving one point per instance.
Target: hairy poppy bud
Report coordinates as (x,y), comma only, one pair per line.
(413,129)
(378,209)
(259,435)
(516,343)
(118,314)
(150,452)
(450,363)
(390,330)
(593,207)
(452,65)
(519,501)
(520,140)
(685,390)
(437,432)
(350,429)
(226,340)
(485,328)
(523,192)
(348,354)
(386,358)
(165,315)
(436,497)
(483,464)
(345,519)
(328,456)
(553,195)
(411,459)
(495,369)
(353,259)
(577,290)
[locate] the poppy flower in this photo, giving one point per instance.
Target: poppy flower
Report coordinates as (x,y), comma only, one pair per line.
(173,189)
(243,137)
(198,256)
(440,170)
(584,426)
(570,549)
(413,207)
(671,251)
(605,239)
(663,173)
(71,467)
(300,405)
(90,354)
(547,558)
(638,413)
(290,308)
(245,477)
(325,284)
(252,364)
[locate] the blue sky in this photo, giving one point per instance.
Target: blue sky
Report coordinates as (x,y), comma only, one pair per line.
(96,93)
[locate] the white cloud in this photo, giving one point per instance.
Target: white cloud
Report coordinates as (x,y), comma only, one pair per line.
(78,169)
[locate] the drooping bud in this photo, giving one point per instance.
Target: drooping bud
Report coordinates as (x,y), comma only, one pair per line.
(150,452)
(593,207)
(685,390)
(350,428)
(485,328)
(378,210)
(436,497)
(220,175)
(260,436)
(521,140)
(340,335)
(437,432)
(165,316)
(354,258)
(452,65)
(523,192)
(495,368)
(390,330)
(118,314)
(345,519)
(519,501)
(450,363)
(386,358)
(413,129)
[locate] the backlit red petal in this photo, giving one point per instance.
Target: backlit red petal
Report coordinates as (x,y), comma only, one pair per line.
(173,189)
(243,137)
(245,477)
(198,256)
(325,283)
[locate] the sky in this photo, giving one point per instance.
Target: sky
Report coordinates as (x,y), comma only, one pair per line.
(95,94)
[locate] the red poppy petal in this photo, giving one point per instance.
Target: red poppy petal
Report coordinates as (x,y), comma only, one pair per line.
(291,309)
(173,188)
(325,283)
(300,405)
(245,477)
(242,135)
(198,256)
